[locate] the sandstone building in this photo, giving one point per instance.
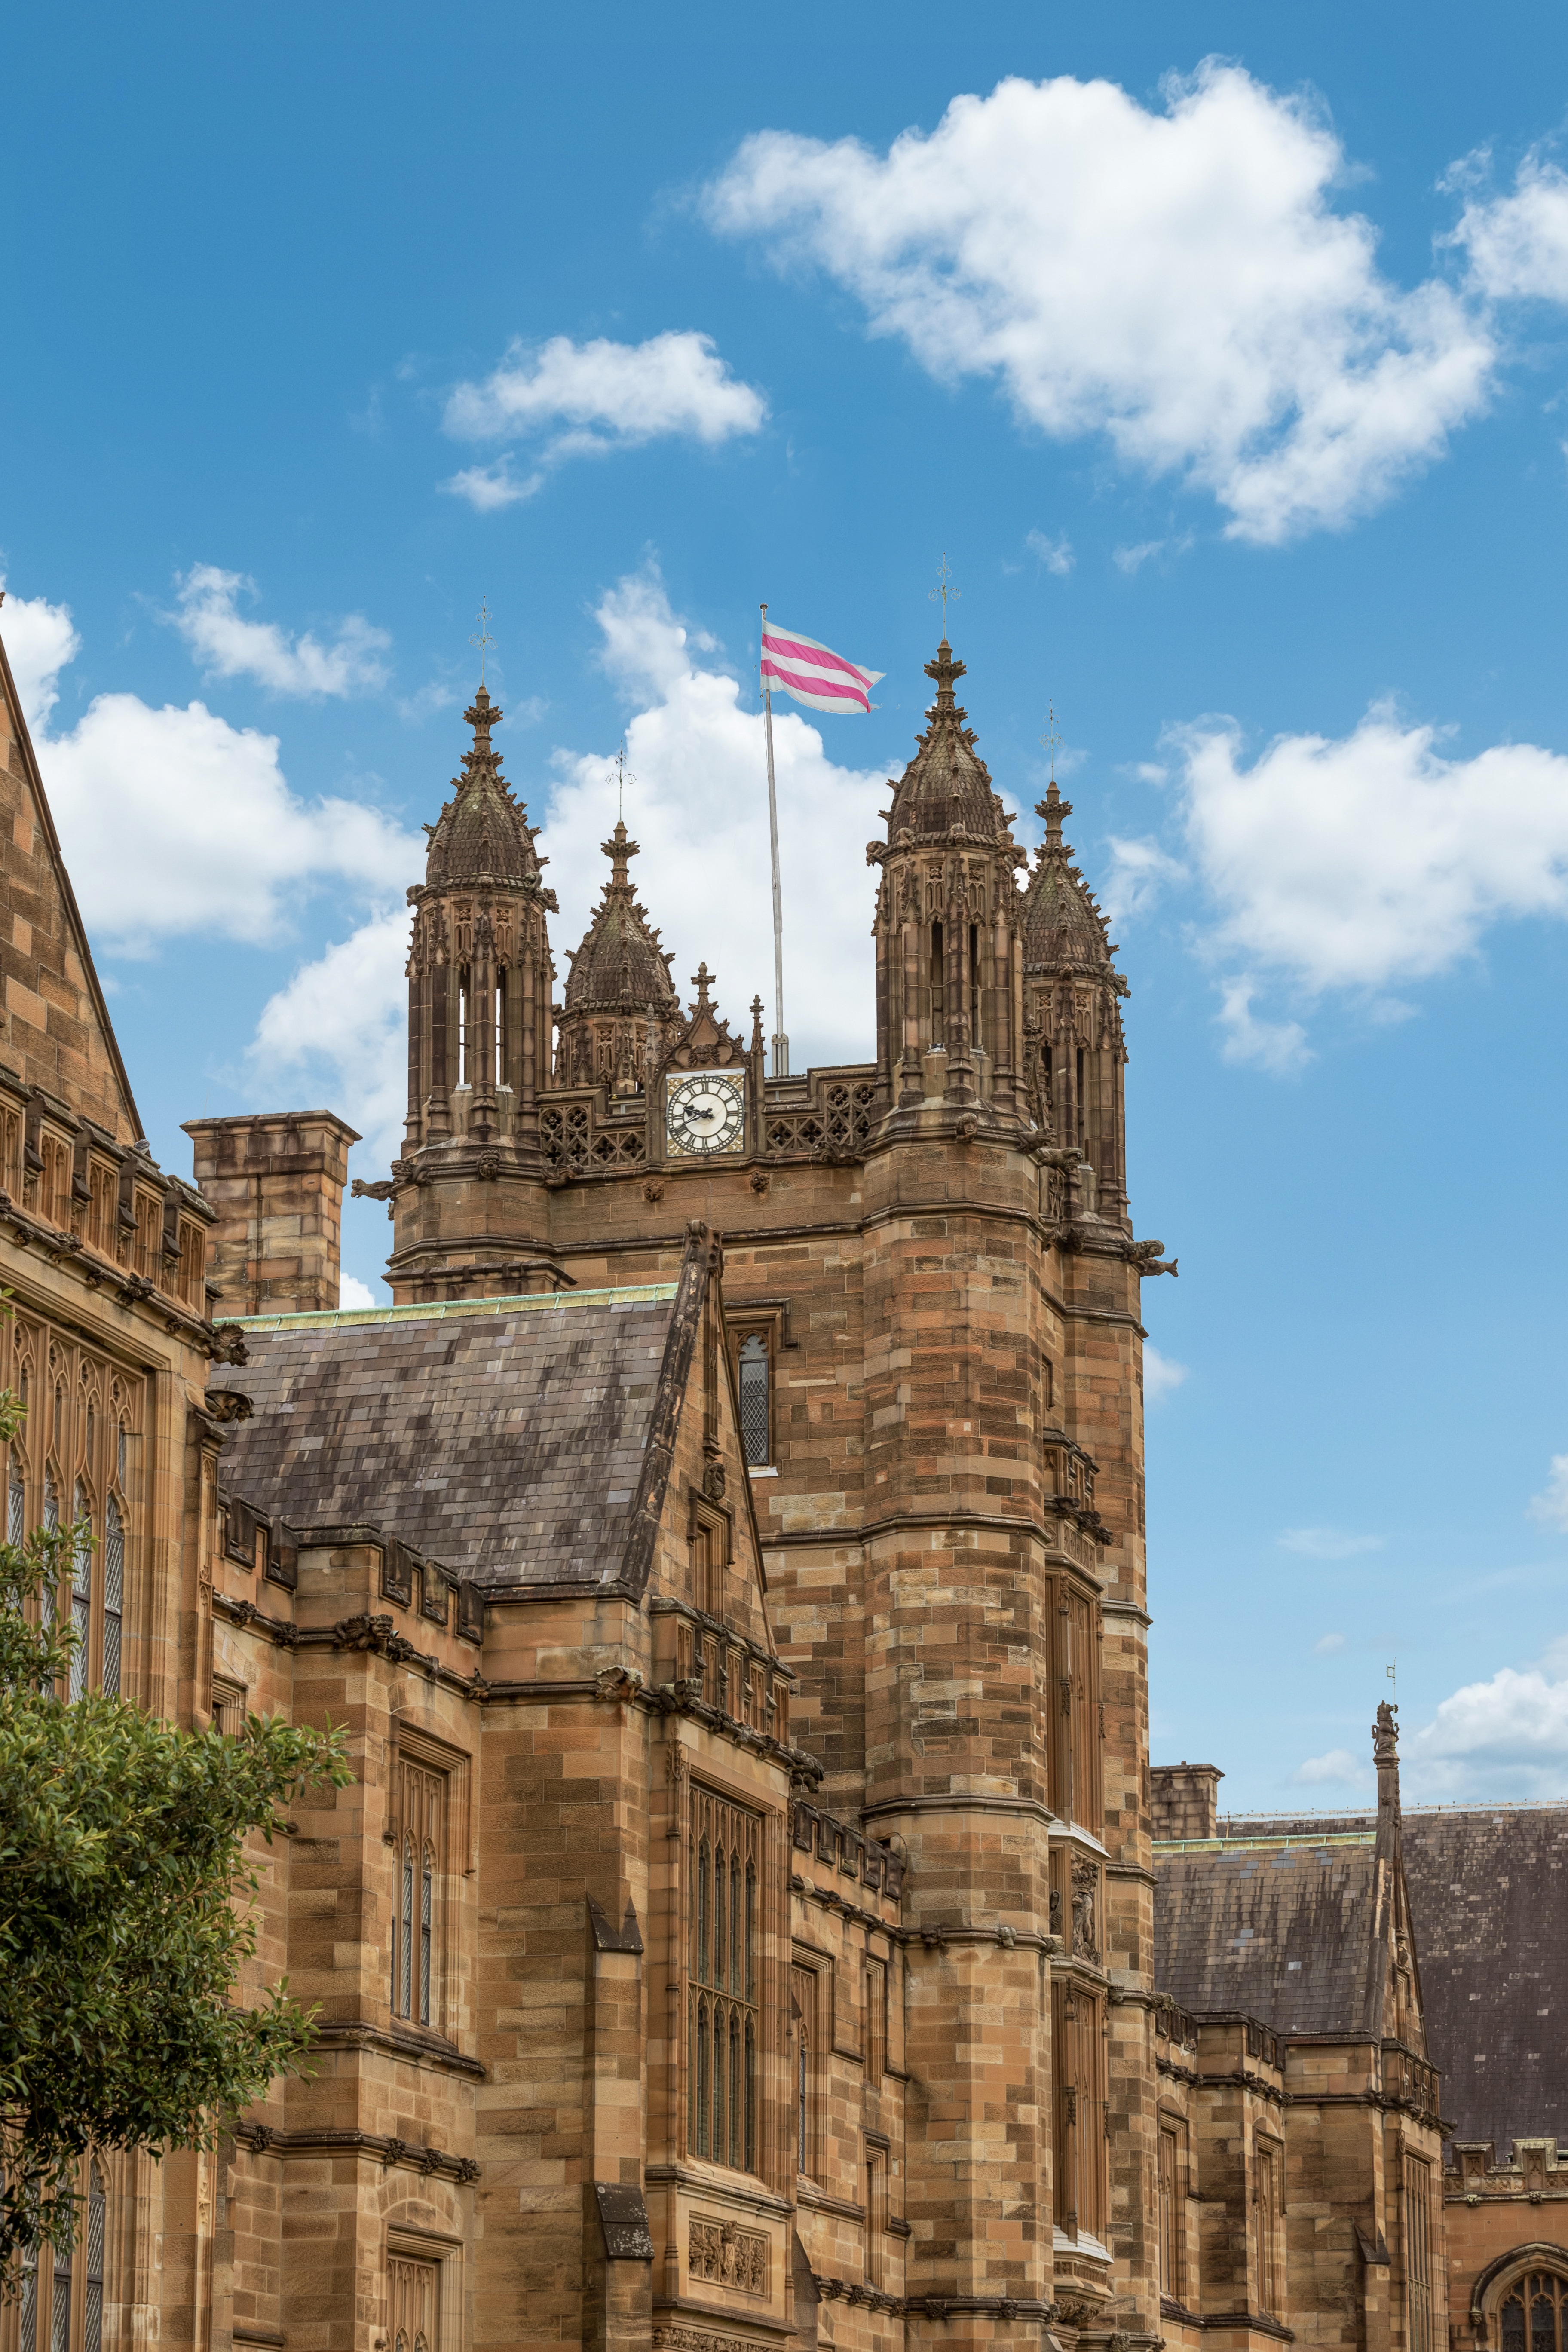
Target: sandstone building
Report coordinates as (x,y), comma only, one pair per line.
(727,1557)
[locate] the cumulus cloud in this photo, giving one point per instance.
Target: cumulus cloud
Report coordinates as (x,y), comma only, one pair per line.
(228,644)
(1162,1376)
(1551,1505)
(352,1292)
(1055,554)
(1327,1543)
(1176,277)
(1501,1738)
(1374,858)
(172,822)
(1141,872)
(1339,1766)
(1517,245)
(583,399)
(341,1026)
(39,641)
(1280,1047)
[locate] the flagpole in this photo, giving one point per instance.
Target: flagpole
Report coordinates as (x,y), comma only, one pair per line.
(781,1043)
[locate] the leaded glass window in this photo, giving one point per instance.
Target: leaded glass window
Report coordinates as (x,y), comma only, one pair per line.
(722,1979)
(756,1415)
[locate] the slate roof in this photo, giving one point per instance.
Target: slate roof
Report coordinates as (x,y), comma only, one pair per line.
(1489,1903)
(482,834)
(504,1438)
(947,785)
(1230,1918)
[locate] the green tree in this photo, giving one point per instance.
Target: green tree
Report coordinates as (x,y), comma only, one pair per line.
(124,1911)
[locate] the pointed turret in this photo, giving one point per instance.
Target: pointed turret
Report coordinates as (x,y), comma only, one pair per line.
(1075,1052)
(949,969)
(621,1005)
(479,972)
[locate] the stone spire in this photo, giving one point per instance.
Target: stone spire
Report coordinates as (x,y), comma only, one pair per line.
(479,976)
(619,984)
(949,1009)
(1075,1054)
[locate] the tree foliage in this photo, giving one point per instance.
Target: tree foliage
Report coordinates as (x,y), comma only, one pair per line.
(125,1910)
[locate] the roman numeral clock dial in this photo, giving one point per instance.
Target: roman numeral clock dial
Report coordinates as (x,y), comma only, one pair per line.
(704,1112)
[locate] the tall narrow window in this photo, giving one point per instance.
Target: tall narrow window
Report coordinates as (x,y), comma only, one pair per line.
(61,2310)
(113,1594)
(1265,2211)
(47,1598)
(81,1592)
(417,1958)
(464,1064)
(1079,1105)
(1170,2208)
(875,2044)
(722,1976)
(756,1415)
(92,2268)
(16,1502)
(1418,2262)
(975,987)
(938,988)
(27,2328)
(875,2212)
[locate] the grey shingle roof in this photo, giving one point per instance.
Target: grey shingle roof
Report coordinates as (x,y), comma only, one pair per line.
(1230,1920)
(506,1439)
(1489,1900)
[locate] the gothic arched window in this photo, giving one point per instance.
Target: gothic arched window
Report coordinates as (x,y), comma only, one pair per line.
(756,1402)
(1534,2313)
(82,1589)
(114,1595)
(92,2271)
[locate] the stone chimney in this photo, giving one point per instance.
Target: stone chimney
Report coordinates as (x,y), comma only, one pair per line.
(1186,1799)
(277,1184)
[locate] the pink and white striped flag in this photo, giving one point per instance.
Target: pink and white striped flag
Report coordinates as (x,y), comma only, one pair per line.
(814,673)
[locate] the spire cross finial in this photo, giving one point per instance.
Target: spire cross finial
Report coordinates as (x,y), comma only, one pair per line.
(944,589)
(702,981)
(484,639)
(622,780)
(1051,740)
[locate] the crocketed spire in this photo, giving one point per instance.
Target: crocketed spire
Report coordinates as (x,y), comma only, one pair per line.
(482,835)
(619,968)
(1062,921)
(945,791)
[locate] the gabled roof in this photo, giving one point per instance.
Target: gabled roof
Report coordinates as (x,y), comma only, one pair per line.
(522,1443)
(75,1055)
(1488,1898)
(1280,1929)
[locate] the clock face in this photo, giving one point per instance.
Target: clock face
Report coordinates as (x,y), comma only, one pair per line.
(704,1111)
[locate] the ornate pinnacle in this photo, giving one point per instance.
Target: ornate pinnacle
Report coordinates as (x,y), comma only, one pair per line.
(619,848)
(701,981)
(1053,808)
(481,715)
(944,670)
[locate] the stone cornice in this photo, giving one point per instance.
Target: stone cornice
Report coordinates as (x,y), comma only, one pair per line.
(262,2139)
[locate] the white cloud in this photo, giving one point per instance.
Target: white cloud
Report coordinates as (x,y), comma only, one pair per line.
(699,804)
(1139,872)
(1162,1376)
(1280,1047)
(1338,1766)
(1517,245)
(228,645)
(1330,1645)
(1055,554)
(341,1024)
(1551,1507)
(1370,859)
(1175,278)
(1505,1737)
(583,399)
(39,641)
(1327,1543)
(352,1293)
(172,822)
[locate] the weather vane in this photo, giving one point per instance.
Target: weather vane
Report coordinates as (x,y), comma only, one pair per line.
(1051,740)
(621,782)
(484,638)
(1393,1683)
(944,589)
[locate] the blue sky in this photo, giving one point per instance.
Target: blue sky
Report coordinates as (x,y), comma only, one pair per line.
(1223,351)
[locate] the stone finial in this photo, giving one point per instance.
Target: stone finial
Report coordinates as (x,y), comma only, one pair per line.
(1053,808)
(619,848)
(1386,1756)
(944,670)
(702,981)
